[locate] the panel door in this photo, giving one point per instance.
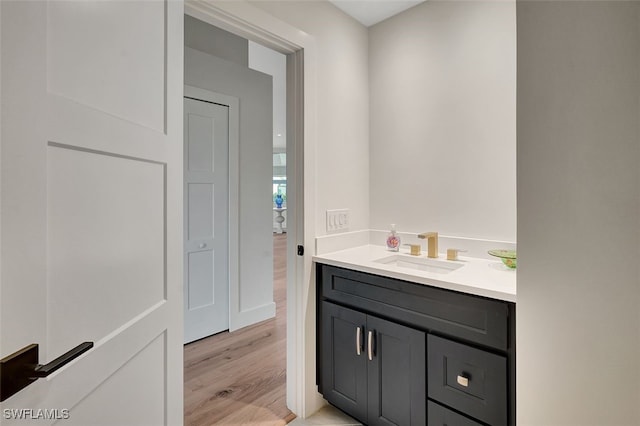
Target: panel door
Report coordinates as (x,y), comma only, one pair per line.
(206,232)
(397,390)
(344,362)
(91,242)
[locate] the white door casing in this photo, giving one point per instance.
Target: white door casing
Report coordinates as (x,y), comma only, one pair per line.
(206,218)
(243,19)
(91,200)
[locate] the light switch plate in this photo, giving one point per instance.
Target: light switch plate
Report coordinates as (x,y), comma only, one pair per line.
(337,220)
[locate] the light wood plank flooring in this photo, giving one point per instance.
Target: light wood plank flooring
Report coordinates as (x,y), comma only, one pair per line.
(239,378)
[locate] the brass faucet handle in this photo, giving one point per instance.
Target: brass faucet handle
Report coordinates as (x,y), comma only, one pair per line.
(452,253)
(415,249)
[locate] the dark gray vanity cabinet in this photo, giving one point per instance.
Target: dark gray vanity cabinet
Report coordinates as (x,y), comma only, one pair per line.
(392,352)
(373,368)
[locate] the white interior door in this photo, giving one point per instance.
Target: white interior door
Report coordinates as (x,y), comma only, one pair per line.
(206,192)
(91,241)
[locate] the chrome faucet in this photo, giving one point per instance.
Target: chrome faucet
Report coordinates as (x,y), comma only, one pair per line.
(432,243)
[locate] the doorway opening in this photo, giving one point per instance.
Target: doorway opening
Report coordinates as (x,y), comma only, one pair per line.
(239,376)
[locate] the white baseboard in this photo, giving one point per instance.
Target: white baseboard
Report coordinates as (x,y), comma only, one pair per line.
(251,316)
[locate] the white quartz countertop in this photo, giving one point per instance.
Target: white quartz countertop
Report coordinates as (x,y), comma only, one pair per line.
(481,277)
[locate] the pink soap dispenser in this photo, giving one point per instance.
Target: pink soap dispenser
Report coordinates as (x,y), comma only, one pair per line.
(393,240)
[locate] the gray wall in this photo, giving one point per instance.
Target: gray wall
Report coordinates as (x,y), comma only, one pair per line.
(215,41)
(443,137)
(254,90)
(578,325)
(273,63)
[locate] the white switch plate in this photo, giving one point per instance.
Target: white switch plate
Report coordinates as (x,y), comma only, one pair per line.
(337,220)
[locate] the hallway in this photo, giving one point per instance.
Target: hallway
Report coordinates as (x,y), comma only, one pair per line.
(239,378)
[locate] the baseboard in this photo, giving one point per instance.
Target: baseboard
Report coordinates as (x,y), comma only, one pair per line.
(251,316)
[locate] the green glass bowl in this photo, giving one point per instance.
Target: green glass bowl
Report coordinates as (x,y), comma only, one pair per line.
(508,257)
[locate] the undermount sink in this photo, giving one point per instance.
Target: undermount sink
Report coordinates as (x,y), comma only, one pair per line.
(419,263)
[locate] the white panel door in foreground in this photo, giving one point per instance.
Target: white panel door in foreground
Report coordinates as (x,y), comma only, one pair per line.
(92,210)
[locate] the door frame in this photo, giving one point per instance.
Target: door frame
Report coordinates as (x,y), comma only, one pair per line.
(233,279)
(247,21)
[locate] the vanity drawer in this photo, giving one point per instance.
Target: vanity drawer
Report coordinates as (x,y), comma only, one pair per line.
(441,416)
(470,318)
(470,380)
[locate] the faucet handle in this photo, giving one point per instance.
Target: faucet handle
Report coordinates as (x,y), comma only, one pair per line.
(415,249)
(452,253)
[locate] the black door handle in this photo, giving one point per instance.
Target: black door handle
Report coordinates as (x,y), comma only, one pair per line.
(20,369)
(66,358)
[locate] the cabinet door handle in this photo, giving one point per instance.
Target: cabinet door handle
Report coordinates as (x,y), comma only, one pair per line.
(463,380)
(370,347)
(358,340)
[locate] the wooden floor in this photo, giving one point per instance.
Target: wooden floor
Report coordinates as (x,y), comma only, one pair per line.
(239,378)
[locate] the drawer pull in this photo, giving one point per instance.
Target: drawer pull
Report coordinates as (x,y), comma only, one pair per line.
(358,340)
(463,380)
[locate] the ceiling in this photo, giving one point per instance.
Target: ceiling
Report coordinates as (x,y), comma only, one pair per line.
(370,12)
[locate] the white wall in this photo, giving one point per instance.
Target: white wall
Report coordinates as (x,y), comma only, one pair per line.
(578,325)
(256,241)
(342,151)
(443,95)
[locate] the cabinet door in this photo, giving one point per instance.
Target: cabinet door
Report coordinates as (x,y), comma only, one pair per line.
(396,358)
(344,371)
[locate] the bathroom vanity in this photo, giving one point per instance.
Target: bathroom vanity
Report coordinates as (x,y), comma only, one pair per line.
(402,347)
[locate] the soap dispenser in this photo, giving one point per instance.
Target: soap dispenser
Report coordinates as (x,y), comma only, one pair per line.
(393,240)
